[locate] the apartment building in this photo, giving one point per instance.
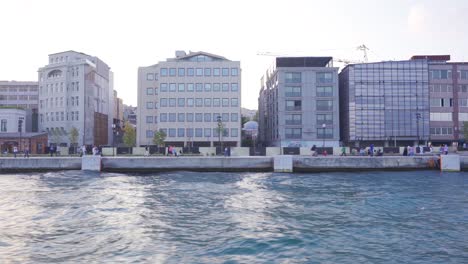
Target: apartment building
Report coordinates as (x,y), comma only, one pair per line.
(76,90)
(24,95)
(385,103)
(448,86)
(191,98)
(298,103)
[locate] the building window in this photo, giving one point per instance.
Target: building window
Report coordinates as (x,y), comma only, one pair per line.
(189,87)
(181,117)
(234,102)
(189,132)
(293,77)
(463,75)
(149,91)
(216,102)
(163,72)
(324,105)
(198,102)
(324,77)
(294,133)
(181,87)
(163,117)
(198,132)
(324,91)
(207,87)
(189,117)
(163,102)
(77,115)
(181,102)
(163,87)
(293,105)
(172,132)
(149,105)
(172,71)
(234,87)
(172,117)
(225,71)
(216,72)
(234,132)
(172,87)
(207,71)
(149,77)
(199,72)
(181,71)
(441,117)
(325,119)
(234,117)
(225,87)
(149,134)
(440,74)
(181,132)
(295,119)
(215,117)
(234,72)
(189,102)
(207,102)
(199,87)
(207,117)
(4,125)
(225,117)
(441,131)
(324,133)
(225,102)
(172,102)
(293,91)
(207,132)
(149,119)
(198,117)
(190,72)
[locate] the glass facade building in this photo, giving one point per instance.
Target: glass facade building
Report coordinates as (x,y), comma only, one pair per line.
(385,103)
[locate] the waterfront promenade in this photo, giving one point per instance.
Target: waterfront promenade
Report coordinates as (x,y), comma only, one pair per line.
(217,163)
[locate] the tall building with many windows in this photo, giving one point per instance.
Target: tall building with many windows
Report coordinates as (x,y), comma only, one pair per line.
(75,90)
(298,103)
(24,95)
(448,86)
(385,103)
(192,98)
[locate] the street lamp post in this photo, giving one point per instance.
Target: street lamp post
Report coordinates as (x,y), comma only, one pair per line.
(113,139)
(220,128)
(323,135)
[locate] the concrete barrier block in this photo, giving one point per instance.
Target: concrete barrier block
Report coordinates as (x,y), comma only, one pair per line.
(207,151)
(305,151)
(138,151)
(91,163)
(337,151)
(240,151)
(108,151)
(63,151)
(283,163)
(450,163)
(273,151)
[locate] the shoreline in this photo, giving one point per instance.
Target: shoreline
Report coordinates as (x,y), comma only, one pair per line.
(227,164)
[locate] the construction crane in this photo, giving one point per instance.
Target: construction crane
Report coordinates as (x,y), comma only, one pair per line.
(344,61)
(364,49)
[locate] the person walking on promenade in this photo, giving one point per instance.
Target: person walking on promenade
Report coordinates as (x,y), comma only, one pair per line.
(371,150)
(343,151)
(405,151)
(445,149)
(15,150)
(83,150)
(26,152)
(169,150)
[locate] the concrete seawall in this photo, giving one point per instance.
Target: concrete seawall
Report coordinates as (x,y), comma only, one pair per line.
(300,163)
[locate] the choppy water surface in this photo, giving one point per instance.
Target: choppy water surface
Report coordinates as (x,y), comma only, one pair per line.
(188,217)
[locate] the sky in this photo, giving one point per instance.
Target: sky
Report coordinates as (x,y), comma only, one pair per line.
(130,34)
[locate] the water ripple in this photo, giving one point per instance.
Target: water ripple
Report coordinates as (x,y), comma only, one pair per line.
(188,217)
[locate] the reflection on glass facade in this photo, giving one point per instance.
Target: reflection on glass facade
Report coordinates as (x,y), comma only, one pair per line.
(385,101)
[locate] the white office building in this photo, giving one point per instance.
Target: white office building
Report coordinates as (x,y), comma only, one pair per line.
(76,90)
(190,97)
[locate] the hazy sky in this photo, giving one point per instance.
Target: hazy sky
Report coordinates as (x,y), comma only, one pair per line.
(129,34)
